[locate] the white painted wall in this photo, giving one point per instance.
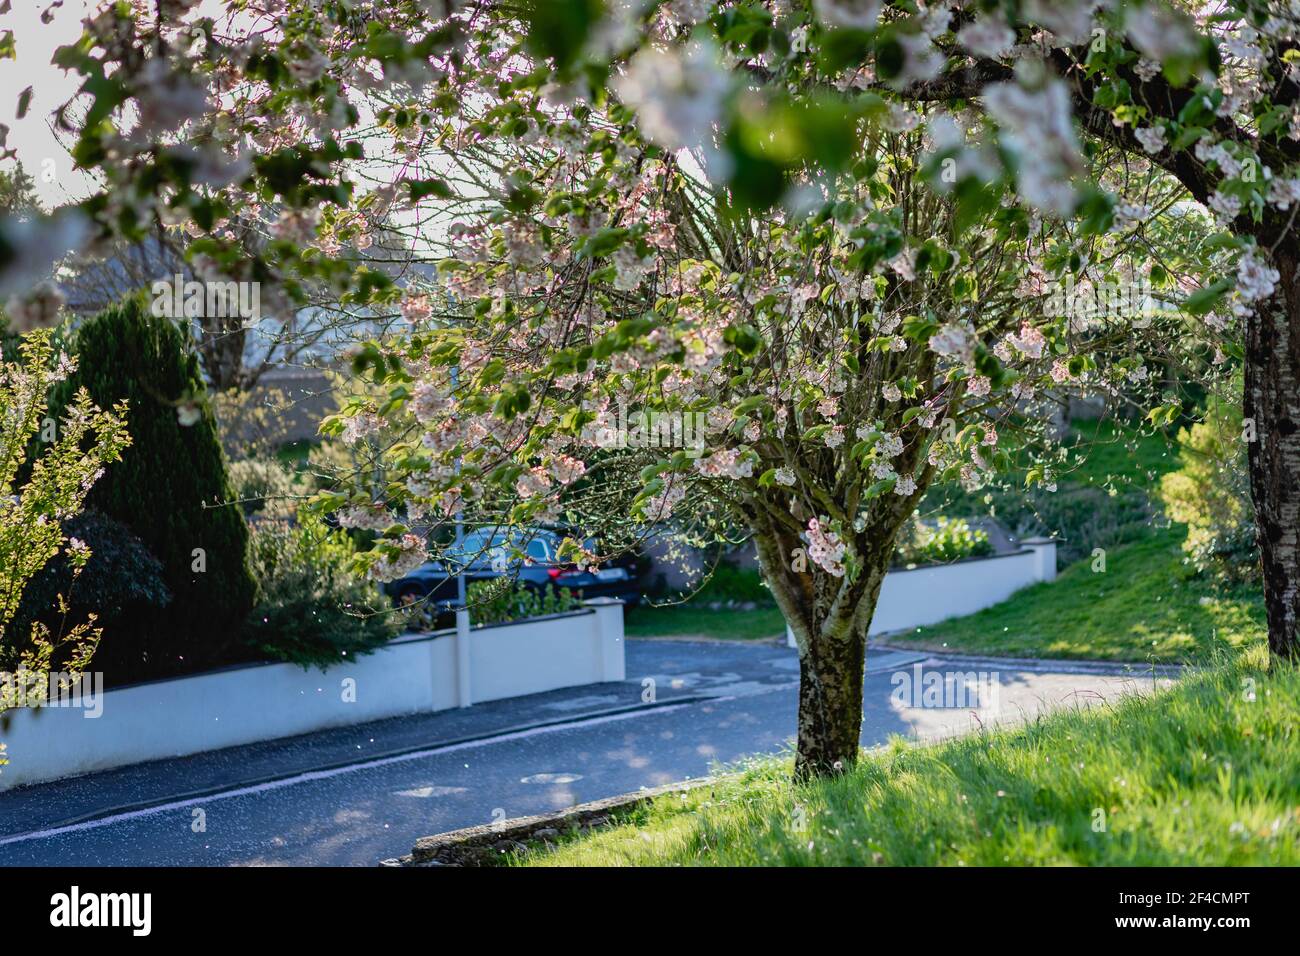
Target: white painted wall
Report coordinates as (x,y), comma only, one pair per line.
(412,674)
(560,651)
(928,595)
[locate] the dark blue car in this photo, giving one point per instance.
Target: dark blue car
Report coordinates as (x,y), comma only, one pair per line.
(527,556)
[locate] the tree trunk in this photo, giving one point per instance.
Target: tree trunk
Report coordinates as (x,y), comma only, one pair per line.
(1272,401)
(830,704)
(830,617)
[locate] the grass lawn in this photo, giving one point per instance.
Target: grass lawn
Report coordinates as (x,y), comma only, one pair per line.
(1114,454)
(1147,606)
(698,620)
(1103,497)
(1202,774)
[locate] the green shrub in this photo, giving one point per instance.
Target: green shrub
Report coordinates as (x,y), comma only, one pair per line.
(265,487)
(1210,494)
(43,479)
(948,539)
(170,488)
(121,584)
(735,585)
(501,600)
(313,610)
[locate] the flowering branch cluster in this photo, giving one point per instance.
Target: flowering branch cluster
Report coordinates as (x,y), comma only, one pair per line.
(38,493)
(742,214)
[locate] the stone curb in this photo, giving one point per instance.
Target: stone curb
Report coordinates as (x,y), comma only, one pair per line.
(484,845)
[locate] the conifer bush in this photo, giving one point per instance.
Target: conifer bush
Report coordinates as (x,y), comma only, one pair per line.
(171,489)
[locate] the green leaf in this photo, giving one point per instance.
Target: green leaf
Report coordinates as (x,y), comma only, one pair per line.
(1164,415)
(1203,300)
(975,202)
(108,95)
(603,242)
(558,29)
(1096,209)
(428,187)
(843,48)
(745,339)
(880,487)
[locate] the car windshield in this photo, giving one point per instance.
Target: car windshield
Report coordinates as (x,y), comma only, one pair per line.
(488,546)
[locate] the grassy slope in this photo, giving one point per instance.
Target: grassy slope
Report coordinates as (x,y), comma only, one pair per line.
(1103,495)
(1146,606)
(1196,775)
(1116,454)
(693,620)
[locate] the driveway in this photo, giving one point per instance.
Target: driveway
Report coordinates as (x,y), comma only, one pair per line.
(359,795)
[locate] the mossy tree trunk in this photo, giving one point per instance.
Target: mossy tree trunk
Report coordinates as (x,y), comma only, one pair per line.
(830,617)
(1272,406)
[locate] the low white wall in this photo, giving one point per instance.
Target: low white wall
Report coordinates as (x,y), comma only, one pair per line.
(560,651)
(412,674)
(922,596)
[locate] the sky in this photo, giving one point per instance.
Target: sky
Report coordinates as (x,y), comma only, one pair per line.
(45,160)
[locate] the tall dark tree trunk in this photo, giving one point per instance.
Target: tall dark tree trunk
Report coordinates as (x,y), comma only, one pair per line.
(829,617)
(830,704)
(831,666)
(1272,401)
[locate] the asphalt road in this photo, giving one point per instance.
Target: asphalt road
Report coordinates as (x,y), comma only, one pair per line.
(386,784)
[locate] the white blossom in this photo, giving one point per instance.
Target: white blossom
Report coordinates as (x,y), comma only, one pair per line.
(1146,70)
(921,60)
(677,92)
(1158,32)
(954,341)
(188,414)
(1130,213)
(416,308)
(987,37)
(1069,20)
(1036,124)
(38,309)
(1216,153)
(1255,279)
(1282,193)
(825,549)
(1226,207)
(1150,138)
(856,14)
(630,268)
(410,555)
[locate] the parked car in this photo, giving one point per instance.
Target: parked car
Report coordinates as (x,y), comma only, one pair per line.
(635,560)
(529,556)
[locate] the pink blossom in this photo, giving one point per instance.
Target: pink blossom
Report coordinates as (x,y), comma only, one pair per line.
(825,549)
